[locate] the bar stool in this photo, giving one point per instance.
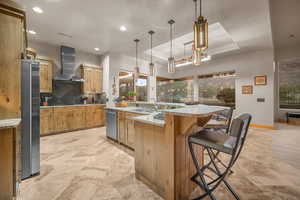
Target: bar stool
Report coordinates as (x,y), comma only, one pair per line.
(220,122)
(231,144)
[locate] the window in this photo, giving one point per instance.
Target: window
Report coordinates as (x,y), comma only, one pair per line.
(126,84)
(142,88)
(174,91)
(289,84)
(217,89)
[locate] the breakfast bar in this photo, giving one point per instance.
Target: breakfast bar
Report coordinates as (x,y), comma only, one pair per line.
(162,158)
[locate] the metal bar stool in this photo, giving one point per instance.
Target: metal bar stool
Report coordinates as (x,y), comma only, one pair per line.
(231,144)
(220,122)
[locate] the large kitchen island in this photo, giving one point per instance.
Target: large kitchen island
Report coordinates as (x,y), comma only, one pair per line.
(162,157)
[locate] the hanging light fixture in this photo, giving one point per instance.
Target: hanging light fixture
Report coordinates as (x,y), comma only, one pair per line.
(171,59)
(151,64)
(136,68)
(200,30)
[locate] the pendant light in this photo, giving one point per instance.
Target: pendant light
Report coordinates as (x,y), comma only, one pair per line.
(171,59)
(151,64)
(136,68)
(200,30)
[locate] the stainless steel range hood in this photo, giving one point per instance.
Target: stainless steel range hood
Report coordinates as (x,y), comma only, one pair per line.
(68,67)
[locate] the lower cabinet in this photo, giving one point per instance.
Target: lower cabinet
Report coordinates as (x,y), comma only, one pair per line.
(126,128)
(70,118)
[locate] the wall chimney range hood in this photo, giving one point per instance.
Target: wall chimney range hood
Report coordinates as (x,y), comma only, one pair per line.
(68,66)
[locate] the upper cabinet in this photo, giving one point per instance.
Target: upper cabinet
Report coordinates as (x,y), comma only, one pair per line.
(12,45)
(92,80)
(46,74)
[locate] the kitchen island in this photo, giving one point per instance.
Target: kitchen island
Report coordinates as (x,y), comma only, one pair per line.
(162,158)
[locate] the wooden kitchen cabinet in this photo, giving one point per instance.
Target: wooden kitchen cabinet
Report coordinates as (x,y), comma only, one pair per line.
(92,80)
(12,45)
(46,74)
(69,118)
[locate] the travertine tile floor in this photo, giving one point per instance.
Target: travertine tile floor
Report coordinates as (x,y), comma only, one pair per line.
(84,165)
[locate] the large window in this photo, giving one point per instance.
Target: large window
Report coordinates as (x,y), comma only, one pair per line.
(142,88)
(174,91)
(217,89)
(126,84)
(289,84)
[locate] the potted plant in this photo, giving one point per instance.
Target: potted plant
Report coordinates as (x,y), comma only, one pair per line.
(131,95)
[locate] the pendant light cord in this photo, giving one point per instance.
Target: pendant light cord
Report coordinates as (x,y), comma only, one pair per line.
(171,53)
(196,9)
(151,47)
(200,8)
(136,53)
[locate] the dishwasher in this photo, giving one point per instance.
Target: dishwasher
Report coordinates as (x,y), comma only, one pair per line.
(112,124)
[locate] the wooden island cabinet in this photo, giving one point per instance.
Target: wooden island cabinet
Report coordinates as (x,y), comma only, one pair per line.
(162,158)
(58,119)
(126,128)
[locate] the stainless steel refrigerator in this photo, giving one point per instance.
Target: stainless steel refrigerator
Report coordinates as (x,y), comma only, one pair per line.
(30,130)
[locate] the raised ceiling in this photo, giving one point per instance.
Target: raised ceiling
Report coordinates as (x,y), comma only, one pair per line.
(96,23)
(219,42)
(285,22)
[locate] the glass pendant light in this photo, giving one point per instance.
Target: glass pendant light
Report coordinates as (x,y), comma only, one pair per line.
(171,59)
(200,30)
(136,68)
(197,58)
(151,64)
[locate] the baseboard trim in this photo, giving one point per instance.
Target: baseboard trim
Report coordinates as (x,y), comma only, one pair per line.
(262,126)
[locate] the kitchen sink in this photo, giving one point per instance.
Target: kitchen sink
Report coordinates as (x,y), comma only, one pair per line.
(143,110)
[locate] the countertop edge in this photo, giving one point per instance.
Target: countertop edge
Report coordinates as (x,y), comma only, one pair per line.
(76,105)
(10,123)
(162,124)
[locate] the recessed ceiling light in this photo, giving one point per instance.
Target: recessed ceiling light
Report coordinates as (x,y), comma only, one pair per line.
(31,32)
(97,49)
(123,28)
(38,10)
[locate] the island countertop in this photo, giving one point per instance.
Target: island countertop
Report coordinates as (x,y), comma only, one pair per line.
(195,110)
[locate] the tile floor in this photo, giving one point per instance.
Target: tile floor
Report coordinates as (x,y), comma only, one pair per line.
(84,165)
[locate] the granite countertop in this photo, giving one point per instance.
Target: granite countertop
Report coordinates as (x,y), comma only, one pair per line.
(149,119)
(9,123)
(58,106)
(195,110)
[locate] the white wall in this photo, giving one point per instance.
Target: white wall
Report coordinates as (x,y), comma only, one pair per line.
(247,66)
(53,52)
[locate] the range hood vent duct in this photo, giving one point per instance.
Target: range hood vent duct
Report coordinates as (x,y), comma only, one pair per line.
(68,67)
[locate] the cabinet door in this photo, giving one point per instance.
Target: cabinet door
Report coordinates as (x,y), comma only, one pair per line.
(130,133)
(45,76)
(98,116)
(122,128)
(46,121)
(44,126)
(89,117)
(11,44)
